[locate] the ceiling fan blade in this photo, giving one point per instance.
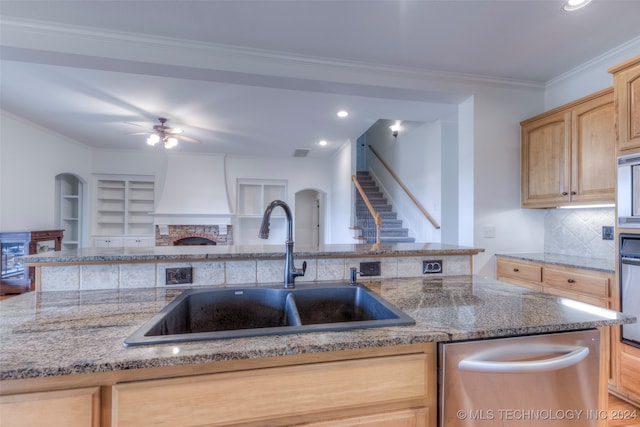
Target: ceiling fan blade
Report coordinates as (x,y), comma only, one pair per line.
(139,133)
(135,124)
(188,139)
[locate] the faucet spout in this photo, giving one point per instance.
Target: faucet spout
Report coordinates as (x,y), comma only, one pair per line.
(290,271)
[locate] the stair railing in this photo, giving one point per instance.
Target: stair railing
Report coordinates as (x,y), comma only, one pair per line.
(377,218)
(406,190)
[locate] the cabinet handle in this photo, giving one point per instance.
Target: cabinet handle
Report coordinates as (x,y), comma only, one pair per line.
(571,281)
(515,270)
(573,193)
(564,193)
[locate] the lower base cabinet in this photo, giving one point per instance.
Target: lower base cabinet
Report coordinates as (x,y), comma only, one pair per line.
(406,418)
(66,408)
(390,387)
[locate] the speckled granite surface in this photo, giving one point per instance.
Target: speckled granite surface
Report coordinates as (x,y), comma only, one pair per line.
(62,333)
(597,264)
(256,252)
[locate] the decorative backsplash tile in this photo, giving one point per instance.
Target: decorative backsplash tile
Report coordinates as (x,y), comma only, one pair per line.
(578,232)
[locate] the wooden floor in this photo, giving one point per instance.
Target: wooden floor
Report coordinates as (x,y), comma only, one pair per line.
(619,406)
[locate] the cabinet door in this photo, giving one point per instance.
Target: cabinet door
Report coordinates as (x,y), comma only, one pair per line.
(627,93)
(405,418)
(272,393)
(546,146)
(68,408)
(593,152)
(138,242)
(108,242)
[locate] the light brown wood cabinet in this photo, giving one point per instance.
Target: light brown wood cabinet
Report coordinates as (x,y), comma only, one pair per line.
(391,386)
(588,286)
(626,83)
(568,154)
(66,408)
(405,418)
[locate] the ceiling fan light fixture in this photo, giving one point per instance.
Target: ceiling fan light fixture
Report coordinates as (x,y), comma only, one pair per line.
(571,5)
(153,139)
(170,142)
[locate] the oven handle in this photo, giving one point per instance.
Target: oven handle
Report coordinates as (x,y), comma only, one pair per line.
(571,358)
(631,261)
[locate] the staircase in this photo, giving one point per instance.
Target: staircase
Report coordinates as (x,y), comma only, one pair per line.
(391,230)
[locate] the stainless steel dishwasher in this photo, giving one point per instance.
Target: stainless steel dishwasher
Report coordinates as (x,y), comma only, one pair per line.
(542,380)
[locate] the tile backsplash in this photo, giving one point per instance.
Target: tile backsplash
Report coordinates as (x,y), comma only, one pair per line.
(578,232)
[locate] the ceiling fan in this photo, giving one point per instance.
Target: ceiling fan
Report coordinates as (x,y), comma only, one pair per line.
(169,136)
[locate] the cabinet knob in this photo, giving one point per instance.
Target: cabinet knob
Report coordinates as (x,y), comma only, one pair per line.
(573,193)
(564,193)
(515,270)
(571,281)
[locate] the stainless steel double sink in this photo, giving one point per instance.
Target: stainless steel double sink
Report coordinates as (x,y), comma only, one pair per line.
(219,313)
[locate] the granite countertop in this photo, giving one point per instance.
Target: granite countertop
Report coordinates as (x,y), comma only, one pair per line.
(61,333)
(597,264)
(164,253)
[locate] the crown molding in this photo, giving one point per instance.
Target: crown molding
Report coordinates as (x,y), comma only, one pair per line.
(602,61)
(91,42)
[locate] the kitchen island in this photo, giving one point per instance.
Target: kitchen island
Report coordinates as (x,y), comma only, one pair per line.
(72,343)
(124,267)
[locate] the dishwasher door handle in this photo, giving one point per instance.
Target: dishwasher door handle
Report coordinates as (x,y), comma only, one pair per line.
(571,358)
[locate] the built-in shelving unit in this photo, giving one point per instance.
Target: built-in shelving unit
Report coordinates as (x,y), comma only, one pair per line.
(124,204)
(253,196)
(69,190)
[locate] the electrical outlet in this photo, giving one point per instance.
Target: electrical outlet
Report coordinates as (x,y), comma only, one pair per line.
(432,266)
(370,268)
(178,276)
(607,232)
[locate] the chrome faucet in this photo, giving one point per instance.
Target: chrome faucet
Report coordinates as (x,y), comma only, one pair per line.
(290,271)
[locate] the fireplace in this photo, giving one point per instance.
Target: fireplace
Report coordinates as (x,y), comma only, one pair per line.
(193,241)
(182,235)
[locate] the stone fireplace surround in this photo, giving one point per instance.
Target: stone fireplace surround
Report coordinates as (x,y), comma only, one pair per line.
(211,232)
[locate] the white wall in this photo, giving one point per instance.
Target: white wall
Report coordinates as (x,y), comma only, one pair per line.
(496,172)
(31,157)
(341,201)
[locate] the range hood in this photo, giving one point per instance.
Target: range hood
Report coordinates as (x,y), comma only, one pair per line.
(194,191)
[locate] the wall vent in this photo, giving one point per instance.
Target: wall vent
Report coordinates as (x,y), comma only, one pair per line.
(301,152)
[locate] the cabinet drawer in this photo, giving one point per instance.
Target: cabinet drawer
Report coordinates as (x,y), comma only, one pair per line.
(578,282)
(564,293)
(521,271)
(271,393)
(66,408)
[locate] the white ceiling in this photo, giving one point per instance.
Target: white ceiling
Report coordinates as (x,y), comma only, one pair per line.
(86,89)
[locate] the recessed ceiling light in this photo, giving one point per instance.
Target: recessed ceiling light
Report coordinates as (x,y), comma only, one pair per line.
(322,142)
(571,5)
(342,114)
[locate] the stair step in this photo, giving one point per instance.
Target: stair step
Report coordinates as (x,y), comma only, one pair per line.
(394,232)
(397,239)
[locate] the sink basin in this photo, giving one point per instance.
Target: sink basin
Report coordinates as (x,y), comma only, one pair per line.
(209,314)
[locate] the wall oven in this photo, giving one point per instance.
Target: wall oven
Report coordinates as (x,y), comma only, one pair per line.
(630,286)
(628,200)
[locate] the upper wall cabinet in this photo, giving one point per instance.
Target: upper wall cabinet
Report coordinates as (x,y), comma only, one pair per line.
(568,154)
(626,83)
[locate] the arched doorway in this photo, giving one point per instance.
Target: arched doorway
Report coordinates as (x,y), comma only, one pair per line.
(309,218)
